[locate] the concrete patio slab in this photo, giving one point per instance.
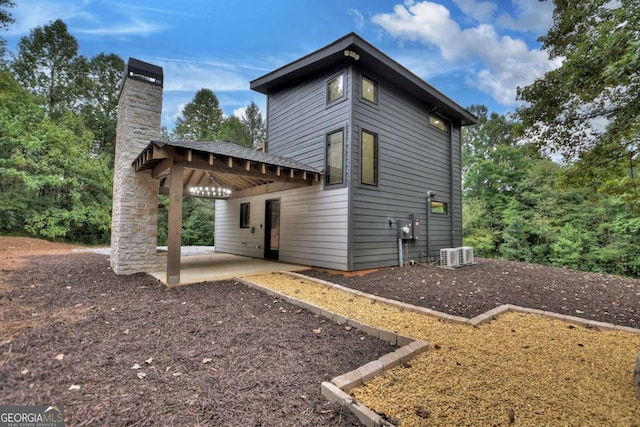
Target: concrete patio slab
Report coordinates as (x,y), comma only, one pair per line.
(204,264)
(217,266)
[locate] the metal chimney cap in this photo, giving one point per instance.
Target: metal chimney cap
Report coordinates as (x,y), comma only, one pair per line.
(144,71)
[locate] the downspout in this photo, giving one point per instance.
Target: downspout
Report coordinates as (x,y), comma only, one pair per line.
(350,146)
(430,194)
(451,182)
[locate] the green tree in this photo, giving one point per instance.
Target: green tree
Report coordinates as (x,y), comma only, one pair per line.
(50,184)
(589,107)
(197,226)
(232,130)
(165,134)
(477,226)
(515,234)
(5,20)
(197,221)
(101,100)
(617,238)
(494,161)
(5,15)
(568,249)
(48,64)
(201,118)
(254,125)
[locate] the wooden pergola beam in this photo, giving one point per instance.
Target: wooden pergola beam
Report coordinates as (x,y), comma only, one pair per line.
(272,187)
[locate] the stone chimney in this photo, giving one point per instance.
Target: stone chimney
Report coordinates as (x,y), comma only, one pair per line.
(134,220)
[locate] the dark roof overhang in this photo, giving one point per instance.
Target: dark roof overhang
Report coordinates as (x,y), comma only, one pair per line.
(376,61)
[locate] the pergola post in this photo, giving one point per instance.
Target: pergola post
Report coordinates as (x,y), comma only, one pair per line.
(175,224)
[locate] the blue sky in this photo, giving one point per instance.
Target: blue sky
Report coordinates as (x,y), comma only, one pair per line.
(474,51)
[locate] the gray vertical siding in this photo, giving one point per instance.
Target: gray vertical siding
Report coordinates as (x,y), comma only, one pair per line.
(299,118)
(413,159)
(313,223)
(347,227)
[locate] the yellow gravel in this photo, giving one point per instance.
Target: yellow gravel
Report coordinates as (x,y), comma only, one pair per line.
(520,369)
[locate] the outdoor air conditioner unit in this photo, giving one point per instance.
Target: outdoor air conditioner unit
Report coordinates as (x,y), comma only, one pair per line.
(465,255)
(449,258)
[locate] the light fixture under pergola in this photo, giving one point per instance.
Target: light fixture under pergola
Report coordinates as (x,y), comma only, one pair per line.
(210,192)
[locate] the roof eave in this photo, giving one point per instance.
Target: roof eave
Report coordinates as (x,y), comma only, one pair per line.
(308,63)
(369,55)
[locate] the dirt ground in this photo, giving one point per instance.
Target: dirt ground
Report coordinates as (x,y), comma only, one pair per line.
(128,351)
(125,350)
(13,250)
(472,290)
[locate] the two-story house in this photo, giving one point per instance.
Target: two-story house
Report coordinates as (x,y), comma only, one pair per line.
(389,146)
(361,168)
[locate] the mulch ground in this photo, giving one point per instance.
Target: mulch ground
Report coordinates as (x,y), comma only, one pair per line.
(223,354)
(472,290)
(209,354)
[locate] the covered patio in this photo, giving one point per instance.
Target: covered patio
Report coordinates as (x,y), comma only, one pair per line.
(215,170)
(213,266)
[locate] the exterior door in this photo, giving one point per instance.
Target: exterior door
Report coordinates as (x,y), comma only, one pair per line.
(272,231)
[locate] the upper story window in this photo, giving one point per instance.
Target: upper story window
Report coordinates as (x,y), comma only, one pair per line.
(369,158)
(334,169)
(438,123)
(335,88)
(369,90)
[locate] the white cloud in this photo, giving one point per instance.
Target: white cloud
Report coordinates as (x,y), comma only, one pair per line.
(240,113)
(479,10)
(534,16)
(358,19)
(426,63)
(186,75)
(183,78)
(133,27)
(505,62)
(80,17)
(37,13)
(174,111)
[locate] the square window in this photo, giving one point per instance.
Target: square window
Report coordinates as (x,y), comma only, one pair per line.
(335,149)
(438,123)
(245,215)
(439,207)
(335,88)
(369,158)
(369,90)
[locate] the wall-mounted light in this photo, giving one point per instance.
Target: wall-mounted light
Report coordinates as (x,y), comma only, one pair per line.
(351,54)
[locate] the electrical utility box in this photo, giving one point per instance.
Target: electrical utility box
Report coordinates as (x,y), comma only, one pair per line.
(415,226)
(409,229)
(404,229)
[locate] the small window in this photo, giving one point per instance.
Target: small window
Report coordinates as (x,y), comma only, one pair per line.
(335,150)
(335,88)
(245,215)
(438,123)
(439,207)
(369,158)
(369,90)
